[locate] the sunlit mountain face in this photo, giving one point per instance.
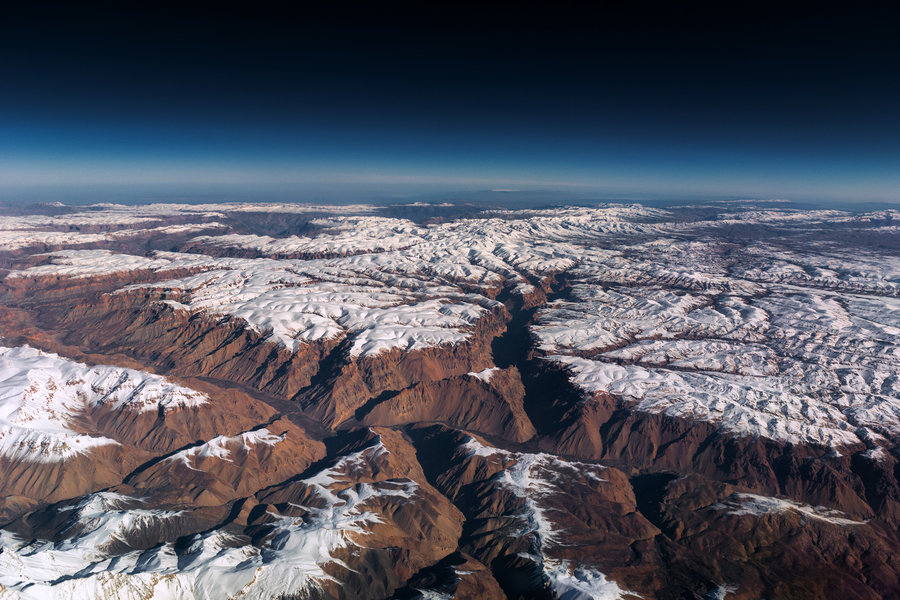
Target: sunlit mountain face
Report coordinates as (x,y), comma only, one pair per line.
(563,303)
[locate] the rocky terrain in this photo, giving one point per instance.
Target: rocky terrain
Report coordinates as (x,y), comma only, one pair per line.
(298,401)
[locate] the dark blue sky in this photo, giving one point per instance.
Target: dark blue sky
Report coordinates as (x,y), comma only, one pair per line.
(752,101)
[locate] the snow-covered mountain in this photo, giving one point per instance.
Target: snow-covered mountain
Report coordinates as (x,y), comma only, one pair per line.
(299,401)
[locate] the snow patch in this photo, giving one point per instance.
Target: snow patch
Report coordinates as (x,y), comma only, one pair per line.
(755,505)
(484,375)
(223,447)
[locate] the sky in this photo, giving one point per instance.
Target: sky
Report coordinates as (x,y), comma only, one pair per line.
(627,99)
